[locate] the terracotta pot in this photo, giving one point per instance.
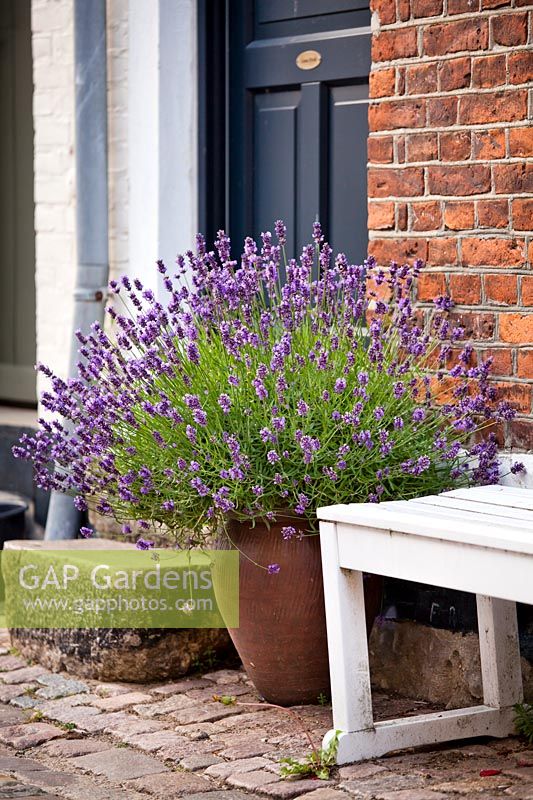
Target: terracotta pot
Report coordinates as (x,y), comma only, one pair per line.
(281,638)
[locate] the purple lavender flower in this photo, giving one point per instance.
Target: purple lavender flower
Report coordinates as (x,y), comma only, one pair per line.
(224,402)
(144,544)
(517,467)
(302,408)
(273,569)
(87,533)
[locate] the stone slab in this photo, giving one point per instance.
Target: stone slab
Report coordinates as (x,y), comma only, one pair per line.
(177,687)
(69,748)
(284,790)
(196,761)
(22,675)
(211,712)
(251,781)
(121,701)
(118,764)
(11,716)
(170,785)
(7,693)
(29,735)
(162,707)
(9,663)
(227,768)
(151,742)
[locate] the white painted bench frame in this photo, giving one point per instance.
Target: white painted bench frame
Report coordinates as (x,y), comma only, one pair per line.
(477,540)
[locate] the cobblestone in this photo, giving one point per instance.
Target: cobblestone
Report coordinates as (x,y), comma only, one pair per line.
(197,761)
(23,736)
(22,675)
(120,701)
(251,781)
(219,752)
(118,765)
(228,768)
(55,686)
(169,785)
(9,663)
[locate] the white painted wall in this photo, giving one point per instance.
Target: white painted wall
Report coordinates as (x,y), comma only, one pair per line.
(163,194)
(54,166)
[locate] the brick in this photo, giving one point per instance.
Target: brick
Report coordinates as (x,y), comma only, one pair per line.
(502,360)
(488,144)
(503,106)
(382,82)
(521,435)
(519,397)
(388,45)
(430,285)
(400,149)
(524,364)
(380,216)
(501,289)
(513,178)
(488,71)
(495,3)
(493,213)
(402,216)
(404,10)
(387,250)
(459,216)
(385,10)
(462,6)
(442,252)
(169,785)
(422,147)
(117,764)
(523,214)
(493,251)
(387,116)
(527,290)
(442,111)
(453,37)
(400,80)
(380,149)
(408,182)
(521,66)
(521,141)
(465,289)
(477,324)
(455,145)
(457,181)
(422,79)
(426,8)
(516,328)
(509,30)
(454,74)
(426,216)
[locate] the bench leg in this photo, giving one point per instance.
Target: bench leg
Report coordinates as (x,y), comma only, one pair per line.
(347,640)
(500,654)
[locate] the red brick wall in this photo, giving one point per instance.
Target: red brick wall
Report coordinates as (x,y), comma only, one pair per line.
(450,176)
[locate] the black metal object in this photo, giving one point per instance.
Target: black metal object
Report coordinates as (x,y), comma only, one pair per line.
(12,518)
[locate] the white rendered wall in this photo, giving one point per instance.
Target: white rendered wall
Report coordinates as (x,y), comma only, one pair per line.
(163,192)
(54,165)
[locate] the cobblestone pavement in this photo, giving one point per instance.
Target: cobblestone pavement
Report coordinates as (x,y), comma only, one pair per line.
(64,738)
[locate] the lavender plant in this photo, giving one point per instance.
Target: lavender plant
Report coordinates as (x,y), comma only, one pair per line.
(261,386)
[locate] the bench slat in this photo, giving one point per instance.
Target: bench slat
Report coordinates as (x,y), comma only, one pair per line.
(496,495)
(448,525)
(474,507)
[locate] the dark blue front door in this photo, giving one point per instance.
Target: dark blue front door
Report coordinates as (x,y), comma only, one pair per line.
(297,119)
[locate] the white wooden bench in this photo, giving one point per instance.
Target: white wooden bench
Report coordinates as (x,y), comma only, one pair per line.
(478,540)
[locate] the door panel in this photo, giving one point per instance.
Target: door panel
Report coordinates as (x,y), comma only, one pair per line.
(17,253)
(297,135)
